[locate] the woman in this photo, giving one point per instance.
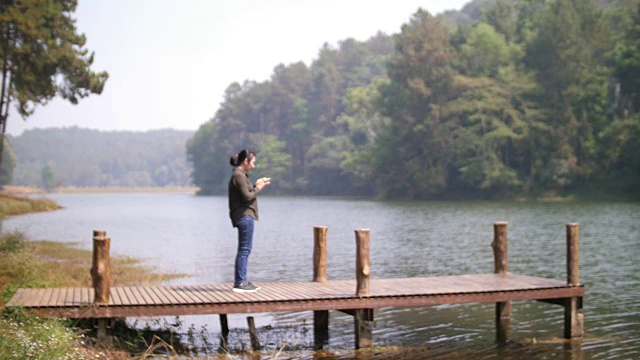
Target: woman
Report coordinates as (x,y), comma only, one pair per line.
(243,210)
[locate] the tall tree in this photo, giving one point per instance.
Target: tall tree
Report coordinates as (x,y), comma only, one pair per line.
(411,152)
(567,53)
(41,56)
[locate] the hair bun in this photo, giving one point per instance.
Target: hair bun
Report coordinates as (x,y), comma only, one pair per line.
(234,160)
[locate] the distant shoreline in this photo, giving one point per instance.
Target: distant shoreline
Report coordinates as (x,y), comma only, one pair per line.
(26,190)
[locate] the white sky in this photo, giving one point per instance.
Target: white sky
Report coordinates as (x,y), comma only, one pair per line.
(169,62)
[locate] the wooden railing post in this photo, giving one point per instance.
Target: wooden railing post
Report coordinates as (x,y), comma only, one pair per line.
(363,269)
(363,318)
(499,245)
(573,255)
(101,267)
(501,266)
(573,320)
(320,317)
(320,254)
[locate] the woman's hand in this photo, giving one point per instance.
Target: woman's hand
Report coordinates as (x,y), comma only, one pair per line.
(262,182)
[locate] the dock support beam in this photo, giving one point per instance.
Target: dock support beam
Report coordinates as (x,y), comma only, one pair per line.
(363,320)
(501,266)
(573,320)
(224,333)
(320,317)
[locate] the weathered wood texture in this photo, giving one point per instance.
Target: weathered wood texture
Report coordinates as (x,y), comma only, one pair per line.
(501,266)
(499,245)
(101,267)
(363,266)
(573,255)
(320,253)
(291,296)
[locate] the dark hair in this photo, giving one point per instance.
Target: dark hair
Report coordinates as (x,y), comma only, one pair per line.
(240,157)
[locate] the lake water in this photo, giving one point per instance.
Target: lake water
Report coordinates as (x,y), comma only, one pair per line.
(183,233)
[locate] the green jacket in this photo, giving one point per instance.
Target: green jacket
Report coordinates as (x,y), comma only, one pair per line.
(243,196)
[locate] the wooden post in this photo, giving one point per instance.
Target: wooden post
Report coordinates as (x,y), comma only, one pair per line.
(573,320)
(499,245)
(363,319)
(101,267)
(320,317)
(224,333)
(253,334)
(501,266)
(573,256)
(363,269)
(320,254)
(320,329)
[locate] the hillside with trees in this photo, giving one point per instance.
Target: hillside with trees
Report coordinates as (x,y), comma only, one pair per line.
(523,98)
(73,156)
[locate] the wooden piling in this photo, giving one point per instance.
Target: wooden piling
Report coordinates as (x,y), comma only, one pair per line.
(363,269)
(101,267)
(573,255)
(320,317)
(499,245)
(320,329)
(253,334)
(363,318)
(501,266)
(573,320)
(224,333)
(320,254)
(363,321)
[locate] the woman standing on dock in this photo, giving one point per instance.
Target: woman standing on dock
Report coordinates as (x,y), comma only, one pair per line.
(243,210)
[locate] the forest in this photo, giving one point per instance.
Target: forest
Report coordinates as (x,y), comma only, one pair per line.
(52,157)
(505,99)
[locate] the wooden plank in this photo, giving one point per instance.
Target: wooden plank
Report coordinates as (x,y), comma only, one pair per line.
(45,297)
(149,300)
(167,294)
(182,299)
(155,299)
(210,296)
(53,300)
(136,294)
(61,296)
(159,295)
(37,297)
(114,297)
(84,296)
(76,296)
(194,294)
(16,299)
(224,292)
(125,293)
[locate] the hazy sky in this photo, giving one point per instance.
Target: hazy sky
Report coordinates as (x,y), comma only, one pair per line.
(169,62)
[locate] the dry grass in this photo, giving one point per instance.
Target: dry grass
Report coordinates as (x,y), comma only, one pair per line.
(11,204)
(49,264)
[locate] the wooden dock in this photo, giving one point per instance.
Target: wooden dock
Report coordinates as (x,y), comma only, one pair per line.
(357,297)
(132,301)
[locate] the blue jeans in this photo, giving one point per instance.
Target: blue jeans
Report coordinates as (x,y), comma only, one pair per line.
(245,243)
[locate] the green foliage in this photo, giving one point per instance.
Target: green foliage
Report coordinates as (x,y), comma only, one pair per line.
(82,157)
(42,56)
(48,178)
(504,98)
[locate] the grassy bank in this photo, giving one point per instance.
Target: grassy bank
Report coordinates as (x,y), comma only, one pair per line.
(11,204)
(49,264)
